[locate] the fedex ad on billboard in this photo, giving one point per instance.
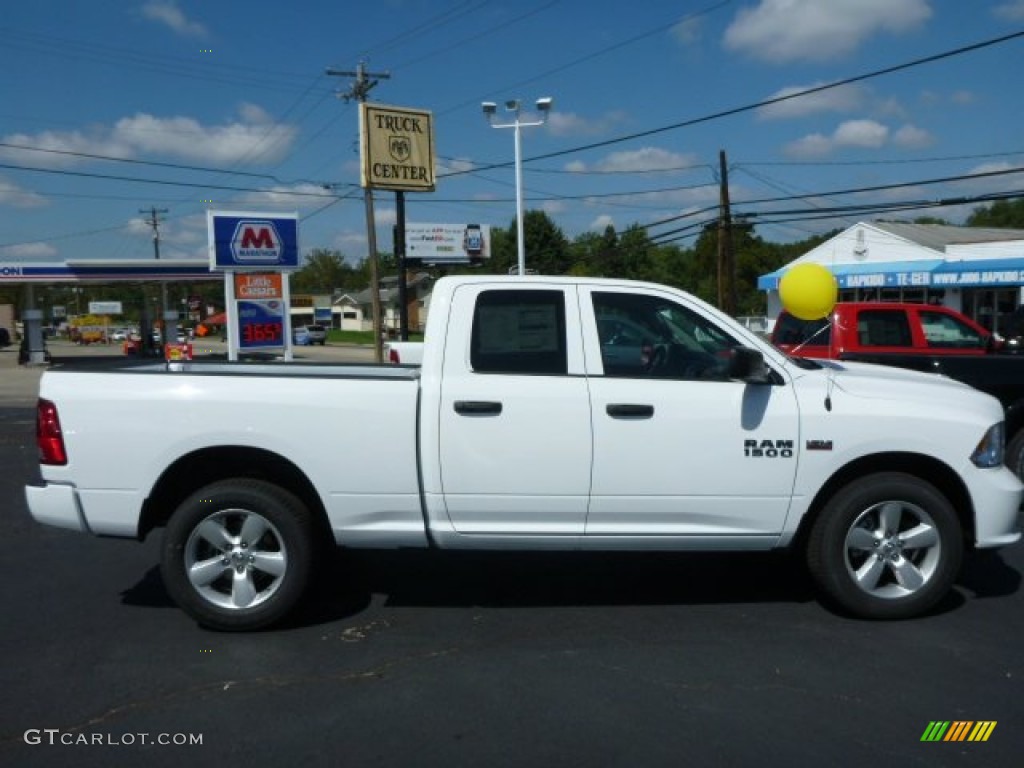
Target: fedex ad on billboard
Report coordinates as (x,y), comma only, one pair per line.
(447,243)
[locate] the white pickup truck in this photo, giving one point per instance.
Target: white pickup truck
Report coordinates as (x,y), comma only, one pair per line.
(548,413)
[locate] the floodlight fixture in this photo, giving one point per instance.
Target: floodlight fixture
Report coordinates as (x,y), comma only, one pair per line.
(517,123)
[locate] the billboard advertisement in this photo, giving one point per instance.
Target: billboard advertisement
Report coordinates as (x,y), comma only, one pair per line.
(447,243)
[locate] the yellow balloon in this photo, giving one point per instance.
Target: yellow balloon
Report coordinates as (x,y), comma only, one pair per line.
(808,291)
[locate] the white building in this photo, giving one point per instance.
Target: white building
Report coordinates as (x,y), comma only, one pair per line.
(978,271)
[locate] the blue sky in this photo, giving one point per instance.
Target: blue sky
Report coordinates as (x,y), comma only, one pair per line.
(112,106)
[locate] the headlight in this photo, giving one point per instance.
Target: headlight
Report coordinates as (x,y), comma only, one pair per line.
(989,452)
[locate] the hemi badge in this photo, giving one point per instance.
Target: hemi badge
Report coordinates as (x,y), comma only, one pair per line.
(819,445)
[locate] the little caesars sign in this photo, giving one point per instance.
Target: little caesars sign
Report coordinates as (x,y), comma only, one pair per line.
(397,148)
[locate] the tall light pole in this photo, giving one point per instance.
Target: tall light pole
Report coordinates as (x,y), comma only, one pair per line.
(514,107)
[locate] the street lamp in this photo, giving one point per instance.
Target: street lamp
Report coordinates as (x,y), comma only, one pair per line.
(513,106)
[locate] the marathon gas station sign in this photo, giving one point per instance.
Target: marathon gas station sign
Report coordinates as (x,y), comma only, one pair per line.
(240,241)
(255,251)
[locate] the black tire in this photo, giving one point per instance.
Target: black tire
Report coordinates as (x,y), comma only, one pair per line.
(1015,454)
(221,579)
(886,546)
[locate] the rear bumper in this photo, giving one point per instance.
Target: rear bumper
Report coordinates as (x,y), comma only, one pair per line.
(56,505)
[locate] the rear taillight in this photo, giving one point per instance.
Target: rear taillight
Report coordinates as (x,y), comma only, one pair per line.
(393,356)
(49,438)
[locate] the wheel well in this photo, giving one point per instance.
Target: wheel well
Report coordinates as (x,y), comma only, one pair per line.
(1014,420)
(923,467)
(200,468)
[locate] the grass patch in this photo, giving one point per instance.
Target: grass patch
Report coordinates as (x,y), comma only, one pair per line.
(360,337)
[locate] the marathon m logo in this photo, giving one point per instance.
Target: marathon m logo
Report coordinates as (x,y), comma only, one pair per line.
(256,242)
(958,730)
(768,449)
(261,238)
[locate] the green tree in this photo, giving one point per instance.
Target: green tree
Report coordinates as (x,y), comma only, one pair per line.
(323,271)
(547,248)
(1007,214)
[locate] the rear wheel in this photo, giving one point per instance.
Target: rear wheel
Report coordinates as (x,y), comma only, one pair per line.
(237,554)
(887,546)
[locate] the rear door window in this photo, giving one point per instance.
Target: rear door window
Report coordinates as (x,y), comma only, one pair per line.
(519,331)
(884,328)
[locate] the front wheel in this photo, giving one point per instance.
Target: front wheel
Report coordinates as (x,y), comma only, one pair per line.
(886,546)
(237,554)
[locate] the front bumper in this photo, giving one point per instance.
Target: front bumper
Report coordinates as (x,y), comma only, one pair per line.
(997,495)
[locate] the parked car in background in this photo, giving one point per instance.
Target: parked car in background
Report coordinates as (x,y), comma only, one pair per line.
(317,334)
(854,329)
(301,337)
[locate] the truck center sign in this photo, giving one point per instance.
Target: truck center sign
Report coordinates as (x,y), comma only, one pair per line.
(396,148)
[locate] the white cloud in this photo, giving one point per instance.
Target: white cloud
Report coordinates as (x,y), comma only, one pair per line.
(50,148)
(644,159)
(254,113)
(601,223)
(891,107)
(250,140)
(384,217)
(963,97)
(844,98)
(571,124)
(297,196)
(29,251)
(790,30)
(16,197)
(861,133)
(139,227)
(1011,11)
(912,137)
(858,134)
(352,245)
(451,165)
(810,146)
(187,138)
(686,31)
(168,13)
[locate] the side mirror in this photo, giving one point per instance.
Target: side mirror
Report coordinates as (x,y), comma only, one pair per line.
(747,364)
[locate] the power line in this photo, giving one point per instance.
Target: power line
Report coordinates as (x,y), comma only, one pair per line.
(757,105)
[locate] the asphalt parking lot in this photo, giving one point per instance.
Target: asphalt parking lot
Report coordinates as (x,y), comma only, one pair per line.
(458,659)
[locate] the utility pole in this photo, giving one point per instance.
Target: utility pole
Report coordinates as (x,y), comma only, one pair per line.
(362,85)
(726,261)
(154,222)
